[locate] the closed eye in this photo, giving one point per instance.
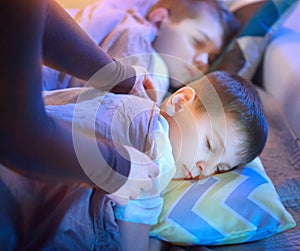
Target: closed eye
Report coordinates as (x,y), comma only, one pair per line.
(198,43)
(208,144)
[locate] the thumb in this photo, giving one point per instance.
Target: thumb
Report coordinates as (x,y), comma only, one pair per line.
(149,87)
(147,185)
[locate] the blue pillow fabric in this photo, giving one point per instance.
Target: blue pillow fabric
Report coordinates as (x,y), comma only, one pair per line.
(234,207)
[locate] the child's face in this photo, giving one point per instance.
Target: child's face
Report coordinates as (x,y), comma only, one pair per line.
(196,41)
(203,144)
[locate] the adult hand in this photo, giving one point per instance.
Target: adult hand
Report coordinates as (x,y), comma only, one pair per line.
(142,171)
(143,85)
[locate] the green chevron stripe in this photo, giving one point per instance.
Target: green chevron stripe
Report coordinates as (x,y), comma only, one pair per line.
(217,214)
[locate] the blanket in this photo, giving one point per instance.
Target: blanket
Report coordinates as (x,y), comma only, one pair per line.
(50,216)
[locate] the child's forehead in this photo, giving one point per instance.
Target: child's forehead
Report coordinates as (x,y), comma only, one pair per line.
(204,9)
(191,10)
(206,20)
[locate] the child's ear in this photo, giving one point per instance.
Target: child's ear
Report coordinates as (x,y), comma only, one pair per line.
(158,16)
(183,96)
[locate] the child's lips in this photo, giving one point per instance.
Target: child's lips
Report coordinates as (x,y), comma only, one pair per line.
(195,173)
(187,173)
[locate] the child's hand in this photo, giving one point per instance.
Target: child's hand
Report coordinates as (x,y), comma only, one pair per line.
(142,171)
(143,86)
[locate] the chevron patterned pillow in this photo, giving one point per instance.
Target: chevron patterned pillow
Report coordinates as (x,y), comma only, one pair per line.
(234,207)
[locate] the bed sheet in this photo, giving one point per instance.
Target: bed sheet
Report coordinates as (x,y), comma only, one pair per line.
(50,216)
(281,159)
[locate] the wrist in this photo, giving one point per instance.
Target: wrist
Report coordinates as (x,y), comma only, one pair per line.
(126,85)
(114,77)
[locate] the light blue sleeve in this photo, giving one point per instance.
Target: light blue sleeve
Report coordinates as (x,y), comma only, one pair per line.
(144,211)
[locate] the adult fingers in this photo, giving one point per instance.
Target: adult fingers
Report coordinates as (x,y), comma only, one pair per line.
(153,171)
(147,185)
(150,88)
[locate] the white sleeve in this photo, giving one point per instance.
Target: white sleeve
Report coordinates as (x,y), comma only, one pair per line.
(144,211)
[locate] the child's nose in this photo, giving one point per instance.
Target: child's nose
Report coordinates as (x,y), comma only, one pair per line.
(204,168)
(201,61)
(201,165)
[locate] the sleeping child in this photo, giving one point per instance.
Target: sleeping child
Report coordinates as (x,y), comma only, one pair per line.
(212,125)
(193,31)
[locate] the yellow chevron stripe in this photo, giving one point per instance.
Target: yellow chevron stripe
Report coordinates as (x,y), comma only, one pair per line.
(165,227)
(218,214)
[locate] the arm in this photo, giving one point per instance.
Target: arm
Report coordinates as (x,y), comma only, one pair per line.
(134,220)
(67,48)
(134,236)
(30,141)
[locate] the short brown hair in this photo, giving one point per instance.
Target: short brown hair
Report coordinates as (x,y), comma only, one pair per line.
(239,98)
